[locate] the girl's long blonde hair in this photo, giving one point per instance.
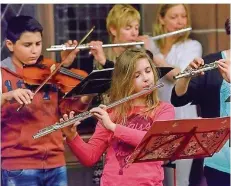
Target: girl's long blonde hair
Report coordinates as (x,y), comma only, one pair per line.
(122,82)
(120,16)
(158,28)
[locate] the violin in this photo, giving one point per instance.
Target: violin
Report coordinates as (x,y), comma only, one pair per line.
(64,79)
(49,77)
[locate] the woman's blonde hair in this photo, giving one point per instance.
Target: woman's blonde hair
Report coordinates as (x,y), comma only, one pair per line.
(122,82)
(120,16)
(158,28)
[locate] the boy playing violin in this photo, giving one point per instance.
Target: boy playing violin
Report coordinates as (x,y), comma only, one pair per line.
(26,161)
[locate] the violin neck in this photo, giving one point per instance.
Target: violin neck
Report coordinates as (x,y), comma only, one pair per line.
(70,73)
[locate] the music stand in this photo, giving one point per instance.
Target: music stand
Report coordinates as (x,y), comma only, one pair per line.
(182,139)
(99,81)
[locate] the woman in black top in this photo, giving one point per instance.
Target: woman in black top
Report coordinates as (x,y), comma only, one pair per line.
(206,91)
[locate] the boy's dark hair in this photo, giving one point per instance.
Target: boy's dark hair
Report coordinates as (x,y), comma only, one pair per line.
(227,26)
(20,24)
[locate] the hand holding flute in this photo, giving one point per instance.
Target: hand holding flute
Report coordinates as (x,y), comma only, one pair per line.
(189,72)
(224,68)
(182,84)
(65,54)
(70,131)
(99,112)
(196,68)
(97,51)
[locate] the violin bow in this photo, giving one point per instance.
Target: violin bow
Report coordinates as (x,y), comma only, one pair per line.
(58,67)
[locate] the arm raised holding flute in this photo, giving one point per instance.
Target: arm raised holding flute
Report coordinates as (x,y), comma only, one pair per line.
(183,85)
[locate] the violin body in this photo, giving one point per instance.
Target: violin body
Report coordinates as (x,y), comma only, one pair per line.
(64,79)
(34,75)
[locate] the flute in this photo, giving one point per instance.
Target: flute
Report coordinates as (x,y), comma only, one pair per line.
(87,114)
(55,48)
(192,72)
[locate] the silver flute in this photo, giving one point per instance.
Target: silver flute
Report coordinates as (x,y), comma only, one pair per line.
(87,114)
(193,72)
(55,48)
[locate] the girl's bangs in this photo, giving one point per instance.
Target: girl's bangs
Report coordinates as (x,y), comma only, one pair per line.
(129,18)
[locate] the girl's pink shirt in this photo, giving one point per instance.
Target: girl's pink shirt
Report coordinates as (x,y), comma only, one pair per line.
(119,145)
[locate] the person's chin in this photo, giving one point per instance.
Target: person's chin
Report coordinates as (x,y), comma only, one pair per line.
(31,62)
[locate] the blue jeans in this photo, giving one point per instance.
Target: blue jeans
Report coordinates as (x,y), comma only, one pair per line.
(35,177)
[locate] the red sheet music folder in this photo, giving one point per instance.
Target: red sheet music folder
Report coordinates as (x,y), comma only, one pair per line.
(182,139)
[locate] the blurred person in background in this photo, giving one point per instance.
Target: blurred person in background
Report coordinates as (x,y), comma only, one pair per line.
(176,51)
(211,92)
